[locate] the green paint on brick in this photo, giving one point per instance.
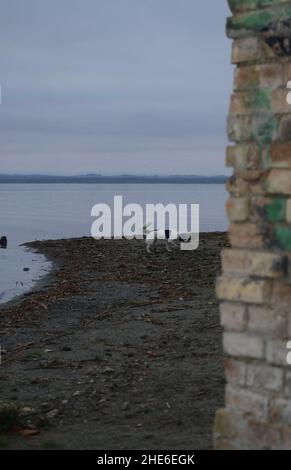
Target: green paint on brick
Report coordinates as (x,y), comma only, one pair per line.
(243,5)
(263,129)
(283,237)
(262,100)
(276,210)
(252,21)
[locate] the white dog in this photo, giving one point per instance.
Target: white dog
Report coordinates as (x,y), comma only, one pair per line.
(168,237)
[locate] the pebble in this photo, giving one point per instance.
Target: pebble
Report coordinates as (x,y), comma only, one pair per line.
(52,414)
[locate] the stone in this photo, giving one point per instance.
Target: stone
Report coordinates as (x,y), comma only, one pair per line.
(243,289)
(238,209)
(247,401)
(233,316)
(243,345)
(261,377)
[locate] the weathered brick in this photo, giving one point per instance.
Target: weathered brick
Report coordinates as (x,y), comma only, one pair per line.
(279,101)
(279,181)
(280,410)
(283,131)
(243,289)
(243,156)
(281,154)
(247,5)
(261,377)
(243,345)
(271,208)
(286,438)
(233,316)
(281,295)
(235,371)
(255,263)
(289,327)
(240,128)
(228,424)
(250,49)
(288,382)
(247,401)
(238,209)
(263,435)
(272,76)
(288,211)
(247,77)
(259,100)
(266,321)
(237,186)
(277,353)
(252,77)
(246,235)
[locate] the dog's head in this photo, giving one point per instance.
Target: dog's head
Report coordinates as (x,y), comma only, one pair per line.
(184,238)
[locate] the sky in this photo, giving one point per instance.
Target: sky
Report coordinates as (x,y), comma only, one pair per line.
(114,86)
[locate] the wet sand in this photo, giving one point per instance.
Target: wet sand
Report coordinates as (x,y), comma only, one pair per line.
(115,349)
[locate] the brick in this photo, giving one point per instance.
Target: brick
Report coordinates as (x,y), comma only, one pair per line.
(230,156)
(276,353)
(243,289)
(279,101)
(280,410)
(240,128)
(286,438)
(288,383)
(246,235)
(237,186)
(237,6)
(279,181)
(288,211)
(267,322)
(243,156)
(264,127)
(228,424)
(252,77)
(281,154)
(243,345)
(246,50)
(259,100)
(263,435)
(283,239)
(235,371)
(271,208)
(283,132)
(247,77)
(238,209)
(281,295)
(263,377)
(247,401)
(272,76)
(255,263)
(233,316)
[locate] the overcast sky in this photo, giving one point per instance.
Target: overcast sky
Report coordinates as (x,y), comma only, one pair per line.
(114,86)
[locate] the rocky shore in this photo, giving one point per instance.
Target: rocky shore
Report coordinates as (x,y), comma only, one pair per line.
(116,349)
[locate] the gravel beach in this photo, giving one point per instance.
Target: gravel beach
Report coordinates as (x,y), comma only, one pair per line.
(115,349)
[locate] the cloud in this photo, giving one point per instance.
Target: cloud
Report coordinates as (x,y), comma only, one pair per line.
(111,86)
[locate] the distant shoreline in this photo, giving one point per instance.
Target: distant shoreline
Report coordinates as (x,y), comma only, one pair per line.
(122,179)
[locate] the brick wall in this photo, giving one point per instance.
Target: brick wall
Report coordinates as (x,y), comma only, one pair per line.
(255,285)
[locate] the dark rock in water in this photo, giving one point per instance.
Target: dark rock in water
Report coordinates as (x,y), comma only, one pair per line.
(25,269)
(3,242)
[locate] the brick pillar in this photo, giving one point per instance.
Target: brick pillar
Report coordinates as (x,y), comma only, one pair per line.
(255,285)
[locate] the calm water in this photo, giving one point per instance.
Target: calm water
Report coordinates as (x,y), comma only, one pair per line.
(40,211)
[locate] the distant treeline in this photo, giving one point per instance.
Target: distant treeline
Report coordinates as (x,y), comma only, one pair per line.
(126,179)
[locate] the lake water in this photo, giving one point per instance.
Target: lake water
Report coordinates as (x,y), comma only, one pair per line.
(51,211)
